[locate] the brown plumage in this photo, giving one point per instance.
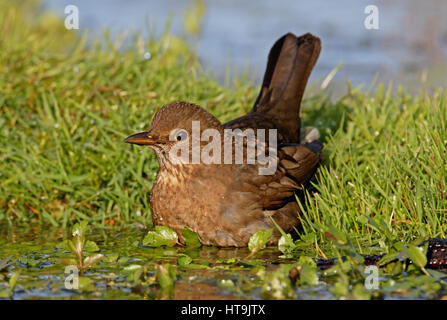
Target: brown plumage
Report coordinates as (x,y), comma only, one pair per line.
(226,203)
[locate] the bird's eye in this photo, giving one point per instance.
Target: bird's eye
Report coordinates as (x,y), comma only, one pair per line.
(181,135)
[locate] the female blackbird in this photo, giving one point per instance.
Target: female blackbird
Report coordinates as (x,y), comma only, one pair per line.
(223,198)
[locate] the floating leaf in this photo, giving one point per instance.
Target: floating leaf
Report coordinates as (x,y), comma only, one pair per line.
(277,284)
(112,257)
(259,240)
(161,236)
(5,293)
(136,273)
(190,237)
(63,246)
(69,261)
(359,292)
(13,281)
(91,246)
(341,287)
(166,275)
(86,284)
(308,274)
(184,260)
(226,284)
(286,244)
(132,267)
(4,263)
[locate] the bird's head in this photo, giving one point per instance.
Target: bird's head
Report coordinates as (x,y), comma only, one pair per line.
(175,129)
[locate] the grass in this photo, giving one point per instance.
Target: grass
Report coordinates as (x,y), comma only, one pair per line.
(385,177)
(66,107)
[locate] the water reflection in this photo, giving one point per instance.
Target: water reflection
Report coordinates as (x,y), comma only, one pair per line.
(411,39)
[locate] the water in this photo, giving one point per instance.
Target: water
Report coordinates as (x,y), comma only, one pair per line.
(410,45)
(36,255)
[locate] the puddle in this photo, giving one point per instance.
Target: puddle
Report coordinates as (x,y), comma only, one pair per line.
(216,273)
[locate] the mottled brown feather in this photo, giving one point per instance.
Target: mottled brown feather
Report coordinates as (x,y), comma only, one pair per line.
(226,203)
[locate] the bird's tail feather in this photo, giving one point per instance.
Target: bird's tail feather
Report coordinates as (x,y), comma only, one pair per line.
(290,63)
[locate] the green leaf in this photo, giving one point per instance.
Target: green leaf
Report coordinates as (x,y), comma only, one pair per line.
(195,266)
(286,244)
(437,274)
(226,284)
(190,237)
(68,261)
(341,288)
(388,258)
(86,284)
(165,275)
(259,240)
(161,236)
(91,246)
(417,255)
(5,263)
(5,293)
(92,260)
(277,284)
(135,273)
(79,229)
(359,292)
(308,274)
(184,260)
(112,257)
(72,246)
(78,245)
(63,245)
(13,281)
(132,268)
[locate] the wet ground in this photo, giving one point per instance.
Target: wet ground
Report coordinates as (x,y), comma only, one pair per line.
(37,256)
(129,270)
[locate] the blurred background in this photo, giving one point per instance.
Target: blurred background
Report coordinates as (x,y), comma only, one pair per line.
(409,48)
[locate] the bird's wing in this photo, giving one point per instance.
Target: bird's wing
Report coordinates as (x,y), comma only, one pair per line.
(295,166)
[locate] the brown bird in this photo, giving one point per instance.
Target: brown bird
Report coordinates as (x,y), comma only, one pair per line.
(221,199)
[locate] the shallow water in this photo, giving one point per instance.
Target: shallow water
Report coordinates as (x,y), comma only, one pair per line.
(411,38)
(224,273)
(34,255)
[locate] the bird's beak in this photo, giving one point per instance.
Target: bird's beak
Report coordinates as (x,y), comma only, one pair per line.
(142,139)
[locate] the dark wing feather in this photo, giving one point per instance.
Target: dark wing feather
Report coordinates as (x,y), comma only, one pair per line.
(290,63)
